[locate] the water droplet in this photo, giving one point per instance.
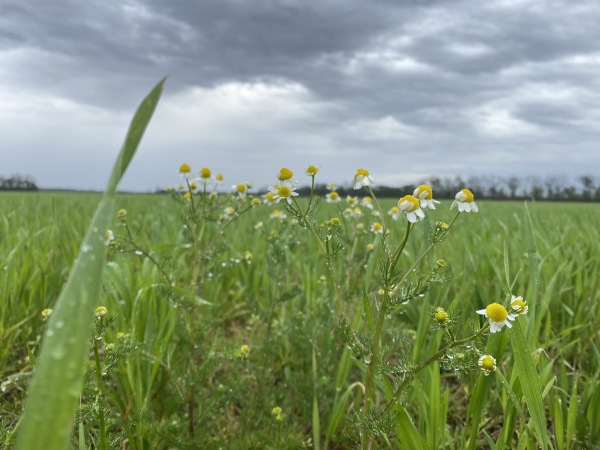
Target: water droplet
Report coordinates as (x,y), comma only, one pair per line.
(58,352)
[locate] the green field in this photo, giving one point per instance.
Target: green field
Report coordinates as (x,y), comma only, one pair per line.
(173,373)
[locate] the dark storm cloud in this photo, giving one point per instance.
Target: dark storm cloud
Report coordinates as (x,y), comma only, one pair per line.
(449,81)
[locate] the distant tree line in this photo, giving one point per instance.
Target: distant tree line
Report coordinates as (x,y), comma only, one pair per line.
(17,183)
(584,188)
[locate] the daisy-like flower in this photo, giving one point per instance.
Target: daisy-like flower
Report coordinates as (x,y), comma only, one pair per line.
(394,212)
(228,213)
(487,363)
(276,214)
(284,192)
(411,206)
(187,195)
(109,236)
(244,351)
(241,189)
(121,214)
(425,196)
(518,306)
(333,197)
(286,176)
(352,201)
(441,316)
(269,197)
(331,187)
(219,178)
(311,170)
(100,311)
(498,316)
(46,313)
(465,201)
(367,202)
(185,170)
(255,203)
(377,228)
(206,176)
(362,177)
(276,413)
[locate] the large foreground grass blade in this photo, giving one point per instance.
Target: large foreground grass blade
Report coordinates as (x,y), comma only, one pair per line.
(57,383)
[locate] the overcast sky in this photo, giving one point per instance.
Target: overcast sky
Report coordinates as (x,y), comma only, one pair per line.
(406,89)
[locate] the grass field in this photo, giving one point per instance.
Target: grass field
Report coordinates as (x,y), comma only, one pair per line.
(174,372)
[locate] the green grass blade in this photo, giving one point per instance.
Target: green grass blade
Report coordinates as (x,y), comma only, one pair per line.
(57,383)
(530,382)
(408,436)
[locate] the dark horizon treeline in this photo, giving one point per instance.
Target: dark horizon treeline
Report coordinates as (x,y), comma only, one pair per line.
(557,188)
(17,183)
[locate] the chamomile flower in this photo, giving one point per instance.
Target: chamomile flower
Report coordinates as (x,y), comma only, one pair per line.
(352,201)
(185,170)
(367,202)
(411,206)
(241,189)
(487,363)
(497,315)
(219,178)
(465,201)
(441,316)
(100,312)
(228,213)
(206,176)
(425,196)
(284,192)
(276,214)
(362,177)
(311,170)
(286,176)
(244,352)
(46,313)
(518,306)
(377,228)
(276,413)
(269,197)
(109,236)
(121,214)
(333,197)
(394,212)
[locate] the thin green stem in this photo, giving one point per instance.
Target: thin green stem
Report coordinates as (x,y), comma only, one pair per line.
(101,423)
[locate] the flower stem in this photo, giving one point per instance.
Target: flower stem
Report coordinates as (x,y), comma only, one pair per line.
(101,423)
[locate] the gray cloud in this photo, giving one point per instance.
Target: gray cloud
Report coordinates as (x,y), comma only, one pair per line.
(409,89)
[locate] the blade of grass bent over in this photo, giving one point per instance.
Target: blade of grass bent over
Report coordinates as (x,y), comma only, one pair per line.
(56,386)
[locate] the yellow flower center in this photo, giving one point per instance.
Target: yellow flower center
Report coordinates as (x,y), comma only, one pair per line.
(518,305)
(241,187)
(312,170)
(411,199)
(424,188)
(367,200)
(488,363)
(205,172)
(469,194)
(187,196)
(377,226)
(193,185)
(441,316)
(496,312)
(334,195)
(284,191)
(270,196)
(394,210)
(219,177)
(335,222)
(184,168)
(361,173)
(351,200)
(285,174)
